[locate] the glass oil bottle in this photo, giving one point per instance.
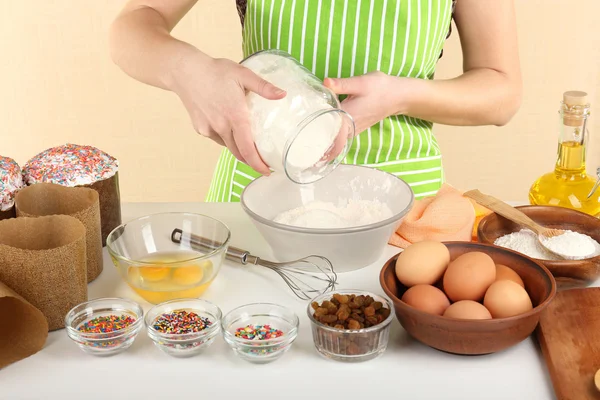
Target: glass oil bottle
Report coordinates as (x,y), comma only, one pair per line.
(569,185)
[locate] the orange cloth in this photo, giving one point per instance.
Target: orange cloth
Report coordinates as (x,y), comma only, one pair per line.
(447,216)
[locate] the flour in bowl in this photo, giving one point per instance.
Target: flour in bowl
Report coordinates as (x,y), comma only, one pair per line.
(326,215)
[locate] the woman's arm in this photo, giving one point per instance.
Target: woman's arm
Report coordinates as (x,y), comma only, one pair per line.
(489,90)
(212,90)
(487,93)
(141,43)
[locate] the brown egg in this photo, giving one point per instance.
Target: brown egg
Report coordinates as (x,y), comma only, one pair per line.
(422,263)
(503,272)
(506,299)
(426,298)
(469,276)
(467,309)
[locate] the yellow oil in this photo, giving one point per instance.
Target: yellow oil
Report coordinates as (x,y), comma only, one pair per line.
(568,185)
(167,275)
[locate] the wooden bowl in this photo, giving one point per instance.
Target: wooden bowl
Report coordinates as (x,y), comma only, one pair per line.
(568,273)
(474,337)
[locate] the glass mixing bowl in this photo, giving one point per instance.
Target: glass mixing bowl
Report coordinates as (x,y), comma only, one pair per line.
(160,269)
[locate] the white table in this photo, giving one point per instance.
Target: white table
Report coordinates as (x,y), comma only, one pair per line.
(407,370)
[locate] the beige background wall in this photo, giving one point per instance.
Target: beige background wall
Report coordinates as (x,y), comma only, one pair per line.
(60,86)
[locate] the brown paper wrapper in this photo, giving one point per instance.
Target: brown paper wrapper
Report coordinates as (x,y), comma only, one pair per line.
(10,213)
(110,204)
(43,199)
(23,328)
(44,260)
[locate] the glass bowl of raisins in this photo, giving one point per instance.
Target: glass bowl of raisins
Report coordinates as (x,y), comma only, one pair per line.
(350,325)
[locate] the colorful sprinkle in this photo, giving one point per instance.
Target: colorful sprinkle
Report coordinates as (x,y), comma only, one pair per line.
(11,181)
(107,324)
(180,322)
(70,165)
(258,332)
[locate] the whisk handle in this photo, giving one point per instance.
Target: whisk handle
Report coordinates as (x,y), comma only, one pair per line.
(201,243)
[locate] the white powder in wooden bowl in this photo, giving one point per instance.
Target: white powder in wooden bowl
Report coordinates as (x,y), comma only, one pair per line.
(572,243)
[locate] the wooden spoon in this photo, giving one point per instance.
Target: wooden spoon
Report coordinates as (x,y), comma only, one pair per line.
(516,216)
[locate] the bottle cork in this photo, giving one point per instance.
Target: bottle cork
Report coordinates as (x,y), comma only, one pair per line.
(574,98)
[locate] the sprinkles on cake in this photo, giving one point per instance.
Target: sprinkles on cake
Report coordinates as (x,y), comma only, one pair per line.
(11,181)
(70,165)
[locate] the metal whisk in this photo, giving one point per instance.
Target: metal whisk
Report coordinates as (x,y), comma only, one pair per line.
(307,277)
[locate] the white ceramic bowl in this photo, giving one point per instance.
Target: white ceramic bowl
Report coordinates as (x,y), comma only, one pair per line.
(348,249)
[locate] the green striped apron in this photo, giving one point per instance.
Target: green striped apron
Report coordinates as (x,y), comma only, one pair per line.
(343,38)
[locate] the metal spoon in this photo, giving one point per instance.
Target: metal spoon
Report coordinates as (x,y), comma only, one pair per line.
(516,216)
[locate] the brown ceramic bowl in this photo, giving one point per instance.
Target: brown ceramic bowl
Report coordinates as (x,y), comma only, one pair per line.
(474,337)
(568,273)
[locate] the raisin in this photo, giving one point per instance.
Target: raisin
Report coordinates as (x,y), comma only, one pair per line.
(335,301)
(342,315)
(385,312)
(342,298)
(344,307)
(314,305)
(372,320)
(329,319)
(359,300)
(321,311)
(353,324)
(377,305)
(369,311)
(353,349)
(338,326)
(353,305)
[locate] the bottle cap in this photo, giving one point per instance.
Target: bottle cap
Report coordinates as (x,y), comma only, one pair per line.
(575,98)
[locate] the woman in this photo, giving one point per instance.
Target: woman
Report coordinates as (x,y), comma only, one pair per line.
(381,54)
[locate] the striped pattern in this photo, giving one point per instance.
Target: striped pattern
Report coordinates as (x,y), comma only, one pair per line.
(343,38)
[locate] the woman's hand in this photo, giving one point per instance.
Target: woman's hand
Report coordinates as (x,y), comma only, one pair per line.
(371,97)
(214,93)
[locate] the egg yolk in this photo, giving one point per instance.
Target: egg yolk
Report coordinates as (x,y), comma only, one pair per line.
(186,276)
(153,274)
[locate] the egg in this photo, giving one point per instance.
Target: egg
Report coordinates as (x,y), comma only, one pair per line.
(469,276)
(422,263)
(426,298)
(506,299)
(467,309)
(504,272)
(188,275)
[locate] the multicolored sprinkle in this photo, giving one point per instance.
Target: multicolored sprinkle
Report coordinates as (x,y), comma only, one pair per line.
(11,181)
(180,322)
(106,324)
(258,332)
(70,165)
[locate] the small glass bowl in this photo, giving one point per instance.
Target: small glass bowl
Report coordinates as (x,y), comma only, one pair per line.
(257,314)
(347,345)
(184,344)
(104,343)
(169,256)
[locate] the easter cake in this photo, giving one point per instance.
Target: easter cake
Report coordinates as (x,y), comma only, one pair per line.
(11,181)
(75,165)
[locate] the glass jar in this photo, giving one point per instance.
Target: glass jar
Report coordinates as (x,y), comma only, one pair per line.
(306,134)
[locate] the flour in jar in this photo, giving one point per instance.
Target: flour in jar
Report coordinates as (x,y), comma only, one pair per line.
(275,122)
(326,215)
